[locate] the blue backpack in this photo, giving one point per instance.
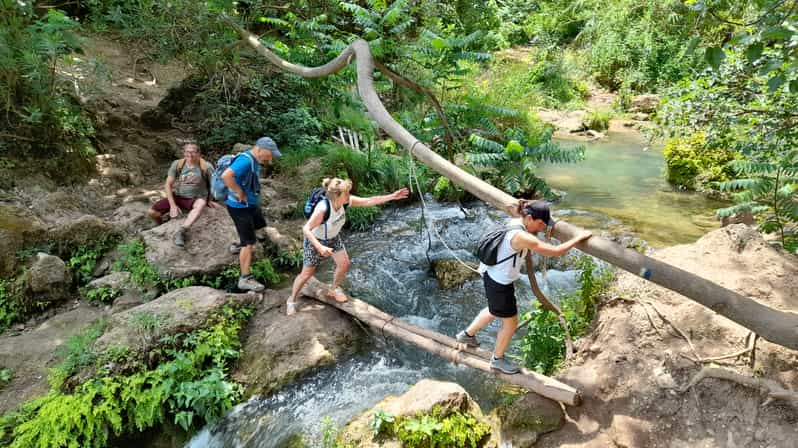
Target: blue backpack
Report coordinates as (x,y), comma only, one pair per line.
(219,190)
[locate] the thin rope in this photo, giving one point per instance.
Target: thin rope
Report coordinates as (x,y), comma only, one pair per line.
(414,176)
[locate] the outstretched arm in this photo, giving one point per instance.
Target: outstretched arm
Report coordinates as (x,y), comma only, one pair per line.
(524,240)
(356,201)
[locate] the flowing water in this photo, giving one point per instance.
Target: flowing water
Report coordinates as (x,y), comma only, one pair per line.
(622,178)
(618,186)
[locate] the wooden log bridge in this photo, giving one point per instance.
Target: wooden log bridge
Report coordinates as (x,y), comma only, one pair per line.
(777,326)
(442,345)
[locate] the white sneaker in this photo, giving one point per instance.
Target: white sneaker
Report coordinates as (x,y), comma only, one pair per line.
(250,284)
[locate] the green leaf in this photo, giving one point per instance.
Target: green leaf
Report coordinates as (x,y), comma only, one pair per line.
(754,51)
(776,33)
(794,86)
(775,82)
(714,56)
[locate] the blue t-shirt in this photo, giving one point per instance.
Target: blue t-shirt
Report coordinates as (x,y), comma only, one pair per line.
(247,179)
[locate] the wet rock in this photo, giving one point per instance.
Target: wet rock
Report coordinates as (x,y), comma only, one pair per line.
(278,349)
(48,278)
(206,249)
(746,218)
(646,103)
(520,423)
(451,273)
(445,397)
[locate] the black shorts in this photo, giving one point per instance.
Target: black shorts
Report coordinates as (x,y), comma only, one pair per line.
(501,298)
(247,221)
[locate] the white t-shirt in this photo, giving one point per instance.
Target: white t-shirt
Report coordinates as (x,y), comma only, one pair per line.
(334,224)
(505,272)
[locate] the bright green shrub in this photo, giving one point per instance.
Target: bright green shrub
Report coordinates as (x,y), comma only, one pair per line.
(691,164)
(134,261)
(361,218)
(598,120)
(422,431)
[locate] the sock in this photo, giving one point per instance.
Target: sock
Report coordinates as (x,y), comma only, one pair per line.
(469,335)
(246,276)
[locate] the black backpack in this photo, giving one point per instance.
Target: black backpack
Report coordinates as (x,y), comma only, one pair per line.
(317,195)
(489,242)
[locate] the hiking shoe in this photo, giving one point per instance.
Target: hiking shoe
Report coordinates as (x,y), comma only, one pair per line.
(249,283)
(470,341)
(504,366)
(180,237)
(235,248)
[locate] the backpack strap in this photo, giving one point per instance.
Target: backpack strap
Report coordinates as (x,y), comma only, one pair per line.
(514,255)
(180,164)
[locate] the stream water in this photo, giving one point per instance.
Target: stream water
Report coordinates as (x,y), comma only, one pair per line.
(619,185)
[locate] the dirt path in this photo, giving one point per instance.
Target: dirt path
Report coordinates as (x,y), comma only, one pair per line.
(634,364)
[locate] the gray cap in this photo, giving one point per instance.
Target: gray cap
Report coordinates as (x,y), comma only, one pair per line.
(268,143)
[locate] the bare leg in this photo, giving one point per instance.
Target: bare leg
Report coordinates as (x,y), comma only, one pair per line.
(196,211)
(483,319)
(341,259)
(245,258)
(300,280)
(156,216)
(509,324)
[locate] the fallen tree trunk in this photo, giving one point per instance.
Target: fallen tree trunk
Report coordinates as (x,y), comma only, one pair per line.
(780,327)
(443,346)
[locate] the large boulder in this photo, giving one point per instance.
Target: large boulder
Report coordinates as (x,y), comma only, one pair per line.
(84,230)
(567,122)
(520,423)
(279,349)
(131,217)
(180,311)
(451,273)
(444,397)
(48,278)
(18,228)
(206,249)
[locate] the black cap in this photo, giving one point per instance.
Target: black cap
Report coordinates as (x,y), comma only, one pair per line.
(539,210)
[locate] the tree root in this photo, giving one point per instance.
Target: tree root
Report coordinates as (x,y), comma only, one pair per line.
(773,389)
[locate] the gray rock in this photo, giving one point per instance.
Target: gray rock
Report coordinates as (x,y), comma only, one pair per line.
(131,217)
(126,302)
(117,280)
(279,349)
(206,249)
(520,423)
(182,310)
(48,278)
(18,228)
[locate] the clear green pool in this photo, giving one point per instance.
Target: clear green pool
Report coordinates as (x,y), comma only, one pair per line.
(621,180)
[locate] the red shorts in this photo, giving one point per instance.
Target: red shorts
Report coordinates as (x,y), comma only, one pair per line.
(162,206)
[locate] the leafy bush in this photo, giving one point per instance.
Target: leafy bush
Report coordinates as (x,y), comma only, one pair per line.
(191,388)
(263,271)
(360,219)
(49,131)
(454,430)
(83,259)
(598,120)
(10,305)
(134,261)
(76,352)
(543,346)
(444,190)
(691,164)
(5,377)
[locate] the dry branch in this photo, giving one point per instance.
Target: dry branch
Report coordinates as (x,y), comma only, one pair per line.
(773,389)
(780,327)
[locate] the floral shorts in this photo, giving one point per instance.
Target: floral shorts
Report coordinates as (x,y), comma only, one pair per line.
(312,258)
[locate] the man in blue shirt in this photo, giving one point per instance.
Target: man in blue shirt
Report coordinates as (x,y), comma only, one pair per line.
(243,203)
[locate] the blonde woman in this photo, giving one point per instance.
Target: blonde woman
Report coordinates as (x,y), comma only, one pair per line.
(323,237)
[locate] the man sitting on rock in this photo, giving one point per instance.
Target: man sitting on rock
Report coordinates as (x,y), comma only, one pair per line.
(187,189)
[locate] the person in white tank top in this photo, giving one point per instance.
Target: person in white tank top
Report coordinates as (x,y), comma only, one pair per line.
(535,216)
(323,239)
